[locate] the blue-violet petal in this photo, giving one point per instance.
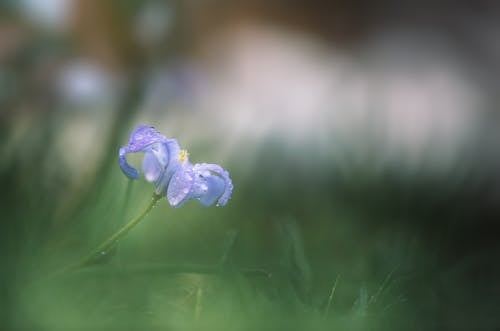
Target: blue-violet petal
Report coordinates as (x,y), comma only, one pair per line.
(180,186)
(207,169)
(142,137)
(151,167)
(127,169)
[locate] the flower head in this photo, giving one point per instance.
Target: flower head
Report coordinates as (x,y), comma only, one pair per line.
(168,167)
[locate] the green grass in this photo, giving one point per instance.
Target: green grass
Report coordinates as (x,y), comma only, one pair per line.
(357,252)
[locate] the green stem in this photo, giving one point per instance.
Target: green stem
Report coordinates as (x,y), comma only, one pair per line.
(104,247)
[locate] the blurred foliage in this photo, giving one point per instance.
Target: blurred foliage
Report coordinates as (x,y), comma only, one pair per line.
(303,244)
(387,242)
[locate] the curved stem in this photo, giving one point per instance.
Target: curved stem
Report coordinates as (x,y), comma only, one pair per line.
(104,247)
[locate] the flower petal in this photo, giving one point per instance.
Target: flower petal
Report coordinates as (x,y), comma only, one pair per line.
(180,186)
(142,137)
(172,149)
(219,185)
(151,167)
(214,188)
(161,152)
(127,169)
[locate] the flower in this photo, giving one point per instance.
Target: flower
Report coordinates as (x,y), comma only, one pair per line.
(168,168)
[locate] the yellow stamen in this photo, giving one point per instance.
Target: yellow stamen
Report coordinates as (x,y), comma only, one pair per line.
(183,155)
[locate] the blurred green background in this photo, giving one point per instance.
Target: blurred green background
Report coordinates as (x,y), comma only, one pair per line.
(362,141)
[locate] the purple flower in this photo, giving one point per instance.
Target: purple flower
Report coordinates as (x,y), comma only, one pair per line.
(168,168)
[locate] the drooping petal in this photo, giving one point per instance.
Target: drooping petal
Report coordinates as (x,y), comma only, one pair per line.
(151,167)
(161,151)
(181,185)
(156,159)
(127,169)
(172,149)
(142,137)
(214,189)
(219,185)
(140,140)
